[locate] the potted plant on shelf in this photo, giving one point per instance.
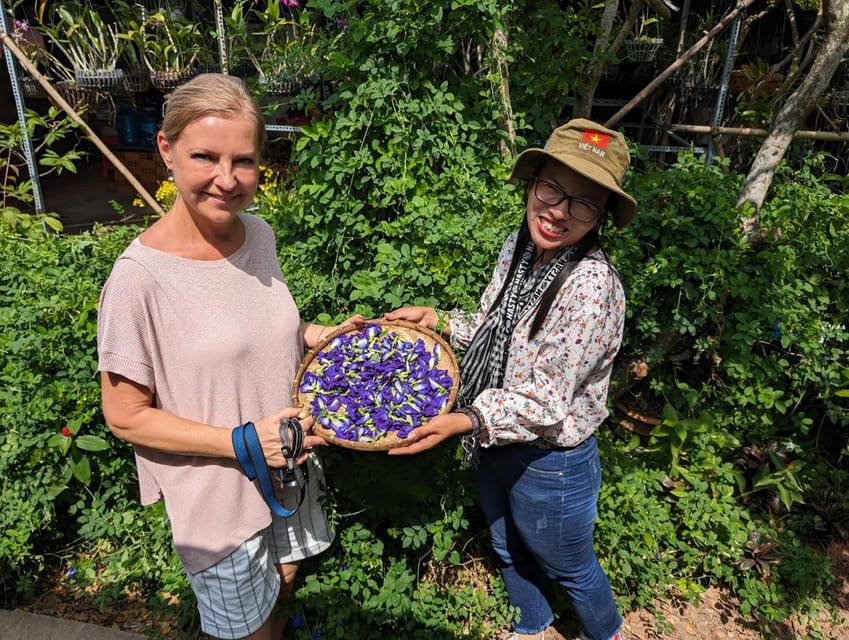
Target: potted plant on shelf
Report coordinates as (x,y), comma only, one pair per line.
(170,46)
(273,40)
(136,74)
(90,43)
(699,80)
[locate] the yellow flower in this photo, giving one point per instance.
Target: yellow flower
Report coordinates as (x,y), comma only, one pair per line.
(166,193)
(138,202)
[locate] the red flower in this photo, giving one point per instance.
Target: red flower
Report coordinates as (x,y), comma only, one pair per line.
(66,432)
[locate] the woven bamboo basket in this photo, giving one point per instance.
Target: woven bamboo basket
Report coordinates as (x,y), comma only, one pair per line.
(31,89)
(280,86)
(168,80)
(643,50)
(406,330)
(839,102)
(79,98)
(136,79)
(103,80)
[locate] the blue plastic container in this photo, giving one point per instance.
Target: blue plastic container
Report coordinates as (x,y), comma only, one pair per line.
(148,126)
(127,126)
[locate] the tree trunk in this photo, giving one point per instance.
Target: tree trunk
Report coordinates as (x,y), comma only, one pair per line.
(793,113)
(603,52)
(502,69)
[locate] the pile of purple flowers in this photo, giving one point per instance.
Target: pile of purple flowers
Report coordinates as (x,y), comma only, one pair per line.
(373,382)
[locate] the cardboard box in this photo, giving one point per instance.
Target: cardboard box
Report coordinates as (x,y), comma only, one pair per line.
(146,166)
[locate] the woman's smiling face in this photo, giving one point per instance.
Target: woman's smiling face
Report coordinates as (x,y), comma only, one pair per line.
(551,226)
(215,164)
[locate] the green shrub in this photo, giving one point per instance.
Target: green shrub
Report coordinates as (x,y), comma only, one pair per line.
(65,477)
(745,347)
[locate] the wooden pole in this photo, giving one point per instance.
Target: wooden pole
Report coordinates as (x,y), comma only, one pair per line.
(59,100)
(677,64)
(748,131)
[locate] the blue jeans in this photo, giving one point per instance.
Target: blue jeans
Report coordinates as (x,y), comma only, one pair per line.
(541,506)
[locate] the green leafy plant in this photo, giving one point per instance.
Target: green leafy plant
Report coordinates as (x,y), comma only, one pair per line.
(47,131)
(744,341)
(374,217)
(48,383)
(90,42)
(643,33)
(73,446)
(773,472)
(670,437)
(275,39)
(168,41)
(128,15)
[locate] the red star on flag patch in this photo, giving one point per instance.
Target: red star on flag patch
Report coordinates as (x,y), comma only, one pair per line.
(595,138)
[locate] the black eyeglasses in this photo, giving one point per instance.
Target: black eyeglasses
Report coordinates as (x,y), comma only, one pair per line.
(549,193)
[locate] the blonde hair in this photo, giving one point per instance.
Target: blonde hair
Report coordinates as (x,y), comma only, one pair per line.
(211,94)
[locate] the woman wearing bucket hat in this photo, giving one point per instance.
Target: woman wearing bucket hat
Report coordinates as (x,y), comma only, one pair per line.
(535,375)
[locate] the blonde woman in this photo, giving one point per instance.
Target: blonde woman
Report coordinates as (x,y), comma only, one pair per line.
(199,339)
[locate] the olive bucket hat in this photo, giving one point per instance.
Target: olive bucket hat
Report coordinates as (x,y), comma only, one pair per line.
(597,153)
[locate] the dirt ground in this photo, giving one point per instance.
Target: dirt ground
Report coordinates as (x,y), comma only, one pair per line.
(715,617)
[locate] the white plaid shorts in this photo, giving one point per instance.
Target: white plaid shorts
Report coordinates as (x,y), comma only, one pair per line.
(237,595)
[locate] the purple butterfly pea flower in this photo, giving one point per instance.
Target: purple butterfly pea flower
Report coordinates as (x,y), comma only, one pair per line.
(379,383)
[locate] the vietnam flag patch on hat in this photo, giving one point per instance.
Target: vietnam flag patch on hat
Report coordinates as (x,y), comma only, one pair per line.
(596,138)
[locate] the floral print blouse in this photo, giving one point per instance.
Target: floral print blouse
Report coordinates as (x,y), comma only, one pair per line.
(555,386)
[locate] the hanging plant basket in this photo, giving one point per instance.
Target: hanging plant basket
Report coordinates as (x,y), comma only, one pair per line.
(738,81)
(643,50)
(94,104)
(105,80)
(31,89)
(168,79)
(699,96)
(136,80)
(839,103)
(280,86)
(80,98)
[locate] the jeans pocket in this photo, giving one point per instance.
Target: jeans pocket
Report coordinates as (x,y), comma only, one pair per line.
(543,462)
